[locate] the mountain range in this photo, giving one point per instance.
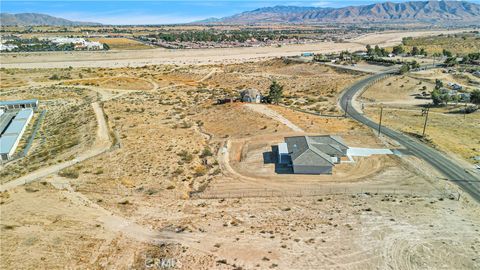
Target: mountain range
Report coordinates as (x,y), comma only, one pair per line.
(28,19)
(388,12)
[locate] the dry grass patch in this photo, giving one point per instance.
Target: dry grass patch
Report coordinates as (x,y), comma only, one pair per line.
(122,43)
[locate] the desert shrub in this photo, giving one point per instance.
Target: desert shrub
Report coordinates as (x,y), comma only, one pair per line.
(69,173)
(184,124)
(185,156)
(200,170)
(206,153)
(177,172)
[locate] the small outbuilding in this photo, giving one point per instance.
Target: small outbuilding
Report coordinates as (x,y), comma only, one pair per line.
(251,95)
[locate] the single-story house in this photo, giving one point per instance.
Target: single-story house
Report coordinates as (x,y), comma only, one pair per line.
(312,154)
(251,95)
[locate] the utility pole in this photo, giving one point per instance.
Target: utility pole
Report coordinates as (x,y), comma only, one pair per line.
(380,123)
(425,124)
(346,109)
(465,111)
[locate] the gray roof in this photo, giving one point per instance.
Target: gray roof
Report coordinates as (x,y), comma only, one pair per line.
(330,139)
(18,102)
(303,152)
(250,93)
(5,120)
(315,150)
(329,149)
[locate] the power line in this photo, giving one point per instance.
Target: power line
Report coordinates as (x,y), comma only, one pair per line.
(425,124)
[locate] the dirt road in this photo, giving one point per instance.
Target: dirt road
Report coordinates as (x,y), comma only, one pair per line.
(263,109)
(102,144)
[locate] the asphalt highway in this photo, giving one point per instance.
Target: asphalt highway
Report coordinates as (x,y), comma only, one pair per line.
(454,172)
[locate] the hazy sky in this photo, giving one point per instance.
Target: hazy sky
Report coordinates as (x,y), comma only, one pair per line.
(155,12)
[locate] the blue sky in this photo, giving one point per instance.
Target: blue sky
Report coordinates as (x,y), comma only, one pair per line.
(155,12)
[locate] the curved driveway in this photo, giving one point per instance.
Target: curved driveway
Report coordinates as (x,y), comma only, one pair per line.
(453,171)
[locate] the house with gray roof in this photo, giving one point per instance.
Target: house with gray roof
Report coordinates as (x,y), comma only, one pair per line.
(251,95)
(313,154)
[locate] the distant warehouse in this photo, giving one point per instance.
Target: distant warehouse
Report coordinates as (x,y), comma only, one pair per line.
(13,132)
(18,104)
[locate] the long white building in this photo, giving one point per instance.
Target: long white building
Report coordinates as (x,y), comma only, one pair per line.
(13,134)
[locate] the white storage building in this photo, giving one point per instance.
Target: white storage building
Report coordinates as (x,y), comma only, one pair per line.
(11,137)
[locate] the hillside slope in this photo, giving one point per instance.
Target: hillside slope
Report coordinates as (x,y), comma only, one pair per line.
(418,11)
(24,19)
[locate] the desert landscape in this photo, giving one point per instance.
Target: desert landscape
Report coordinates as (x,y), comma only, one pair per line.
(138,156)
(211,202)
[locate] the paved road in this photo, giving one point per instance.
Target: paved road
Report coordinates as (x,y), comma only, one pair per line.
(468,181)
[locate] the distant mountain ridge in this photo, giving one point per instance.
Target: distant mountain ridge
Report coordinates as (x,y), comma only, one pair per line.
(31,19)
(415,11)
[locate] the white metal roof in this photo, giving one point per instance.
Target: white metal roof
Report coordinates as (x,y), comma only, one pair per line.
(7,142)
(24,114)
(15,127)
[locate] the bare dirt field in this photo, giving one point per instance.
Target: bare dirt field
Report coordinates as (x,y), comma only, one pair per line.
(399,90)
(136,58)
(186,184)
(467,80)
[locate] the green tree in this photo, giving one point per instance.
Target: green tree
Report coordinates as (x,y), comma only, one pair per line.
(447,53)
(398,49)
(369,50)
(377,51)
(438,84)
(475,97)
(451,61)
(445,98)
(275,93)
(414,64)
(436,97)
(415,51)
(404,69)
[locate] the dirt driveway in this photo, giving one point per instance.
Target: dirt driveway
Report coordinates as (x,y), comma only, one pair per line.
(265,110)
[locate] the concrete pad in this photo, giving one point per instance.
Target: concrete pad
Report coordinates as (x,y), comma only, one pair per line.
(365,152)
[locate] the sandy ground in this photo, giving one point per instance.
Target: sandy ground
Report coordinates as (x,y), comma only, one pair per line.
(161,197)
(362,67)
(265,110)
(102,144)
(137,58)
